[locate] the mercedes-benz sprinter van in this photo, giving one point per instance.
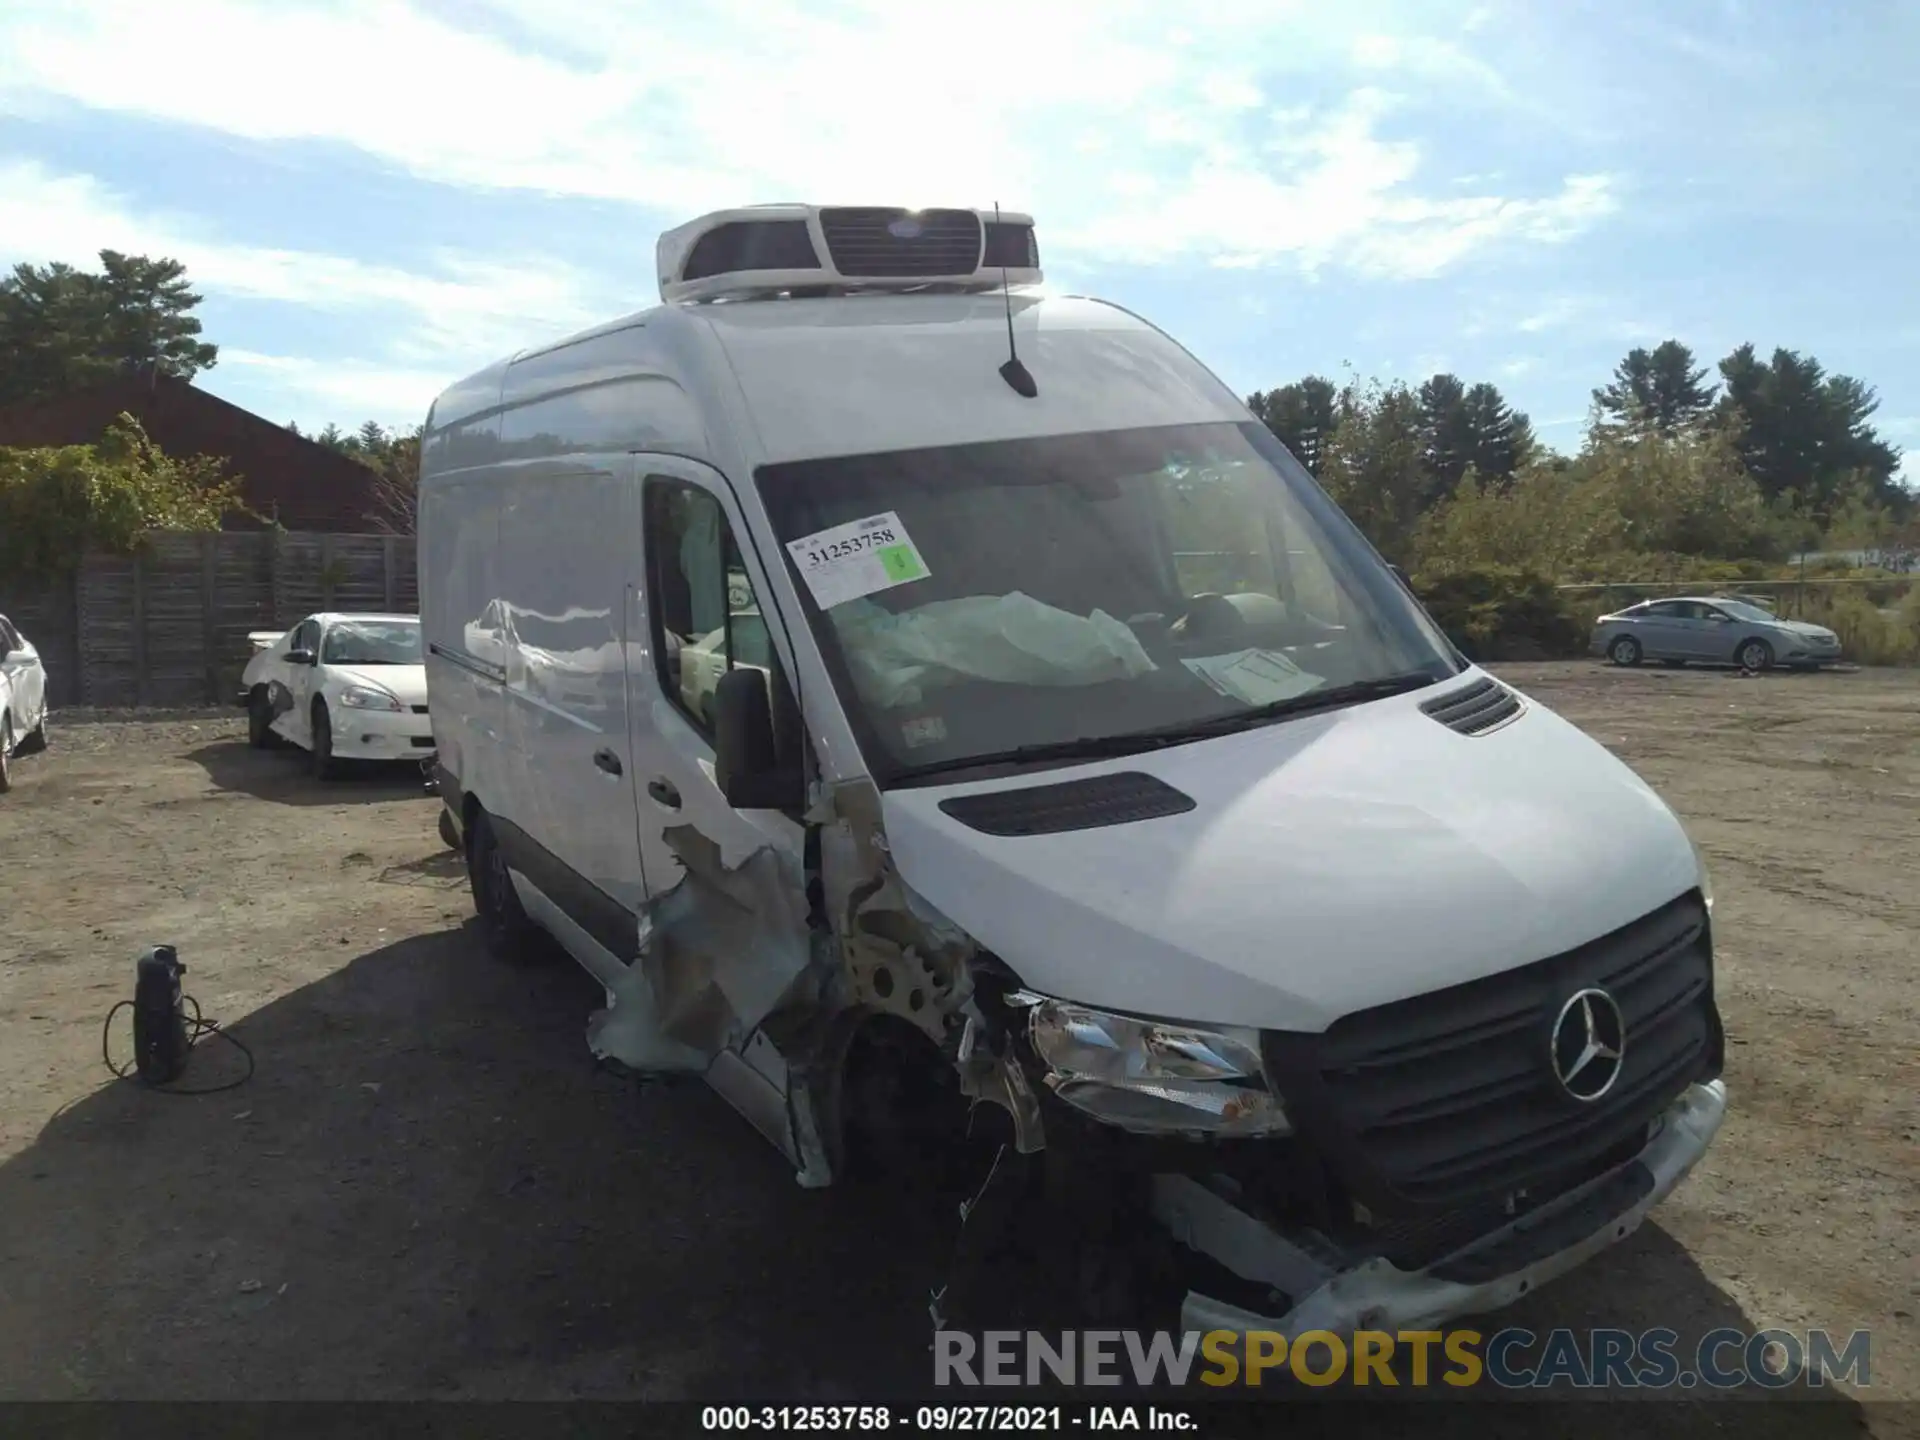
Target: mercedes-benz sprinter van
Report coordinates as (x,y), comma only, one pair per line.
(913,695)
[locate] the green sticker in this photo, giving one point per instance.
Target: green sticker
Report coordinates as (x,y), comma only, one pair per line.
(902,563)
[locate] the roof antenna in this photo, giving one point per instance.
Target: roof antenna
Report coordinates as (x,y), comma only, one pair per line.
(1013,372)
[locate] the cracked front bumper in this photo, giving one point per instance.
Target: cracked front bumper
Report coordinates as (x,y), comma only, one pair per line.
(1499,1268)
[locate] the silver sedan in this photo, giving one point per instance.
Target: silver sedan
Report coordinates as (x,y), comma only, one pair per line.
(1711,631)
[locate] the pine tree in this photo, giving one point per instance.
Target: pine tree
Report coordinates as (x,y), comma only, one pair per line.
(1302,415)
(1658,389)
(62,329)
(1804,431)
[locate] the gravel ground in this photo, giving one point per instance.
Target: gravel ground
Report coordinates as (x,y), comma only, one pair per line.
(428,1190)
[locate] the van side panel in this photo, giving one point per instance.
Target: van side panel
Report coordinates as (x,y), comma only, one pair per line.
(459,538)
(569,549)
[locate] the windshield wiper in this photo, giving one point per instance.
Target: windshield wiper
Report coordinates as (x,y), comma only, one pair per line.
(1354,692)
(1101,747)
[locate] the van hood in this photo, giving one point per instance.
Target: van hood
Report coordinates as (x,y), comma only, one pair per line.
(1330,863)
(406,683)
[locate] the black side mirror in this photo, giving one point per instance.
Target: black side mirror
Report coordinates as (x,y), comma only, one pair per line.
(746,762)
(300,657)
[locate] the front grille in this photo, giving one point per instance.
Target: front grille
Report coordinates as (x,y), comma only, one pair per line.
(1449,1098)
(863,243)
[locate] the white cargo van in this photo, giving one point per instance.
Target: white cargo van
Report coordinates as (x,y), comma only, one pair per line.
(918,698)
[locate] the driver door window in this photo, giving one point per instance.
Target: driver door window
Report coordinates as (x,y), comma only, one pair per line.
(705,617)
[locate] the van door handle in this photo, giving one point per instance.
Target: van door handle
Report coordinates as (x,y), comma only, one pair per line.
(663,791)
(607,761)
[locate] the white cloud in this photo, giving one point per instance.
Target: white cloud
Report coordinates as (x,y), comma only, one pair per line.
(464,309)
(1554,314)
(1132,141)
(322,391)
(685,108)
(1341,196)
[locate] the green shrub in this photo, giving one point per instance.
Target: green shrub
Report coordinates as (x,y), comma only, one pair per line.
(58,503)
(1501,613)
(1868,636)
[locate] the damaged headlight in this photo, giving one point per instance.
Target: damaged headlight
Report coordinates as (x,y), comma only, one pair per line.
(1153,1077)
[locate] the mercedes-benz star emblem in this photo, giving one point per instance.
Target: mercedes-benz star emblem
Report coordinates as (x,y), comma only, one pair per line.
(1589,1039)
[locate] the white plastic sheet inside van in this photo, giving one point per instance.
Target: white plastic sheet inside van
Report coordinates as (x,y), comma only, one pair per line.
(1013,639)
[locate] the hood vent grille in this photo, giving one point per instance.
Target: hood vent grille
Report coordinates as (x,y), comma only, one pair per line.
(1090,804)
(1481,707)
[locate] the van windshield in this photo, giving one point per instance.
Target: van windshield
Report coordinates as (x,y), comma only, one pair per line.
(976,600)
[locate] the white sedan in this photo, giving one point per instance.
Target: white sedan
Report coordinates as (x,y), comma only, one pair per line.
(342,687)
(23,701)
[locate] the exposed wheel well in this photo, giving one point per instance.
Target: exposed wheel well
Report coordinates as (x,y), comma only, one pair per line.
(899,1114)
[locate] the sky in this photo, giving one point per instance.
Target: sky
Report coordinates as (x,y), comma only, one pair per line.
(377,197)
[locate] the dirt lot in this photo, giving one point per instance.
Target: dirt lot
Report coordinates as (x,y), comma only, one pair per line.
(428,1190)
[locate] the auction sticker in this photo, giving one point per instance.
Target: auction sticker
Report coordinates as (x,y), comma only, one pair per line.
(856,559)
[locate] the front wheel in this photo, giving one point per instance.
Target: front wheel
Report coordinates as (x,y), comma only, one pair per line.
(325,767)
(1754,655)
(260,719)
(1624,651)
(6,753)
(509,933)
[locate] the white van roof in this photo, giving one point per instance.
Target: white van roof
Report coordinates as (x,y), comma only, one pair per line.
(873,373)
(830,375)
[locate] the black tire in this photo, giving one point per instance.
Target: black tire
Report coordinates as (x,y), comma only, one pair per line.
(449,836)
(1754,654)
(6,753)
(259,719)
(1624,651)
(325,766)
(504,925)
(36,740)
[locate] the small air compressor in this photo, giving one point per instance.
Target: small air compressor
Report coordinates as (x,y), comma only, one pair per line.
(164,1033)
(160,1041)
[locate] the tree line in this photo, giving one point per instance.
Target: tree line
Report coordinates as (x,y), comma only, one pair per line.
(1798,429)
(1776,456)
(394,458)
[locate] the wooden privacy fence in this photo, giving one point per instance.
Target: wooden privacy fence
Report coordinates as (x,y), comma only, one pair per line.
(167,626)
